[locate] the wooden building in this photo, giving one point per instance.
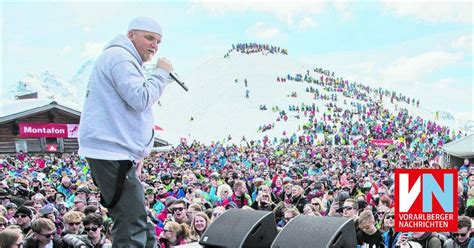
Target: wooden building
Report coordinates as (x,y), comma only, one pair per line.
(33,112)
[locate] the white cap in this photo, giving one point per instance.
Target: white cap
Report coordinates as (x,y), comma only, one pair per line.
(145,24)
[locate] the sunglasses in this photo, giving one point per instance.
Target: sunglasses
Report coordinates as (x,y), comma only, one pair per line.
(380,213)
(3,224)
(88,229)
(347,208)
(47,235)
(177,209)
(459,234)
(21,216)
(75,223)
(390,217)
(315,204)
(161,188)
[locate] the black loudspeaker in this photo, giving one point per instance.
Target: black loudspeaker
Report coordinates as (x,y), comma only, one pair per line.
(241,228)
(317,232)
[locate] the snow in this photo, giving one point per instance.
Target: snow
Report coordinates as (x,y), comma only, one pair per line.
(219,107)
(9,107)
(215,101)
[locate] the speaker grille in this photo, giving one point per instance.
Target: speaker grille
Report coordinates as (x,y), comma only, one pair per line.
(241,228)
(315,231)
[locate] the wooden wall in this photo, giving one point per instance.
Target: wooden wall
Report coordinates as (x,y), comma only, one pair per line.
(34,145)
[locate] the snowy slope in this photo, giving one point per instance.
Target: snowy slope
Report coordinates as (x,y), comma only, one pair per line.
(218,104)
(219,107)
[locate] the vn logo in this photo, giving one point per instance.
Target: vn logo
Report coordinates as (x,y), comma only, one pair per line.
(426,200)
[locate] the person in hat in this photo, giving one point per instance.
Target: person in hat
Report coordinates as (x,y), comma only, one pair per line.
(65,187)
(11,210)
(83,192)
(120,95)
(79,204)
(36,185)
(23,217)
(151,200)
(4,196)
(55,180)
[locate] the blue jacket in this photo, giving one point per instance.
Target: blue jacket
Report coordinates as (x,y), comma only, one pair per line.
(117,121)
(386,239)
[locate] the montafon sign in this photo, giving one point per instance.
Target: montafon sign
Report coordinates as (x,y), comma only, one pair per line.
(48,130)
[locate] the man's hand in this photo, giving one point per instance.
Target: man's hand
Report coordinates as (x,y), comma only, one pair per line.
(139,169)
(164,64)
(333,208)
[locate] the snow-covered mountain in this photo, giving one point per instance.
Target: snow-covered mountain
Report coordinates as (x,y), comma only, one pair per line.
(51,86)
(216,105)
(46,84)
(81,79)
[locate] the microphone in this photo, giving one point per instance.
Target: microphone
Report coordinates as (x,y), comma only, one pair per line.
(175,78)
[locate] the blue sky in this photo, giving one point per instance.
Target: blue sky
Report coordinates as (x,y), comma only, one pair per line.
(422,49)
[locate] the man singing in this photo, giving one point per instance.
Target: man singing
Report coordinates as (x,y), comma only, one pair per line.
(116,126)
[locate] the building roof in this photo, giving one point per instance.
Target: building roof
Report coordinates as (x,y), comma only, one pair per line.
(462,148)
(160,142)
(14,109)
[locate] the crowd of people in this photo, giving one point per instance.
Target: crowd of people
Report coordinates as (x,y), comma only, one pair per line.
(330,167)
(249,48)
(52,199)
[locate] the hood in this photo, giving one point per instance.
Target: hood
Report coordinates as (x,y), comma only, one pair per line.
(125,43)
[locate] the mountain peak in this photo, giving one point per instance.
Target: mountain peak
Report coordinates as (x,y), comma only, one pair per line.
(249,48)
(240,94)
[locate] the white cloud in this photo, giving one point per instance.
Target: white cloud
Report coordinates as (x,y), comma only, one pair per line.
(262,31)
(465,42)
(293,14)
(92,50)
(414,68)
(66,50)
(305,23)
(433,12)
(343,9)
(86,29)
(444,83)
